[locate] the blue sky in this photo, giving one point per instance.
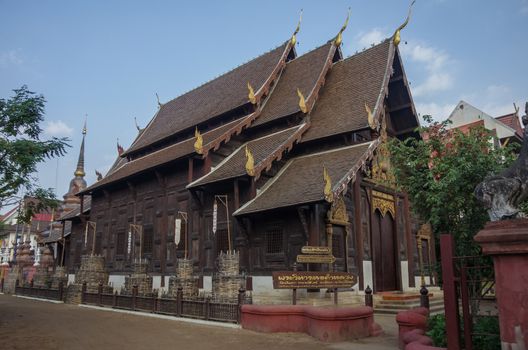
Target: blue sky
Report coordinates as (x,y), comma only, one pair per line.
(107,59)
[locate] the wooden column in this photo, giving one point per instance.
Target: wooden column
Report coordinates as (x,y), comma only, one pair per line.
(164,231)
(190,170)
(410,246)
(359,231)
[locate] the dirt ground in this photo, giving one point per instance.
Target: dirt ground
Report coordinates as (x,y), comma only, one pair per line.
(31,324)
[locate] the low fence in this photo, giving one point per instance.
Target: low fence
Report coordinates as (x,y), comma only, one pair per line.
(41,293)
(204,308)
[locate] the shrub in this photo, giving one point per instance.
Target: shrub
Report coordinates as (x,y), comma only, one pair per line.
(437,330)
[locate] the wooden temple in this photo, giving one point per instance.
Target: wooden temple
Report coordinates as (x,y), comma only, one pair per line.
(296,147)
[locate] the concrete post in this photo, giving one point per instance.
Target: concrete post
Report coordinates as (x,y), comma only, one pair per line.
(507,242)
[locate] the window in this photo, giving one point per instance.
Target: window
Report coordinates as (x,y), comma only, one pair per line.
(148,236)
(121,243)
(222,244)
(274,241)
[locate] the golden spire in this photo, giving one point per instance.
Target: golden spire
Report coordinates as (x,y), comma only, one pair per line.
(339,37)
(80,163)
(84,127)
(198,144)
(396,37)
(250,163)
(251,94)
(328,194)
(370,117)
(293,39)
(302,101)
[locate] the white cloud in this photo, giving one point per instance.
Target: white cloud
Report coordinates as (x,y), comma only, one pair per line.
(437,111)
(375,36)
(495,100)
(57,128)
(11,57)
(436,65)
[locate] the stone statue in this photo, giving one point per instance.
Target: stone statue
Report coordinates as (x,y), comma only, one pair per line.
(502,194)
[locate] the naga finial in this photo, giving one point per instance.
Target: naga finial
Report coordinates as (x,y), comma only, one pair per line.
(251,94)
(250,163)
(339,37)
(137,125)
(293,39)
(396,37)
(302,101)
(198,144)
(370,117)
(328,194)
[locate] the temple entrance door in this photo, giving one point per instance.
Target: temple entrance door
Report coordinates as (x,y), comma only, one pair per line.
(384,252)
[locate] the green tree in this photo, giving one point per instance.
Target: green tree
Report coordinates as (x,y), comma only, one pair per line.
(440,173)
(21,149)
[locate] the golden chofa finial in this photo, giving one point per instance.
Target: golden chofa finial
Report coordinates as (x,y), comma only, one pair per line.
(250,163)
(396,37)
(328,194)
(339,37)
(302,101)
(198,144)
(293,39)
(370,117)
(251,94)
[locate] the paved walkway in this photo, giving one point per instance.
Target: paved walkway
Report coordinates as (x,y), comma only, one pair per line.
(30,324)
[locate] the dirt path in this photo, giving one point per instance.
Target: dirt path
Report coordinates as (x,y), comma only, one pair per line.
(29,324)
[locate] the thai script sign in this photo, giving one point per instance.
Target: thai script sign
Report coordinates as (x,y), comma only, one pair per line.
(312,279)
(315,250)
(316,259)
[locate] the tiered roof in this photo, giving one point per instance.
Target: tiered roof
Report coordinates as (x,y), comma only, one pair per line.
(335,92)
(359,79)
(212,99)
(301,179)
(261,148)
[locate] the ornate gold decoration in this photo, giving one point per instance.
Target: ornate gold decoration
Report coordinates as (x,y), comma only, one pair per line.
(381,170)
(251,94)
(293,39)
(198,144)
(339,37)
(250,163)
(396,37)
(339,213)
(328,194)
(384,203)
(370,117)
(302,101)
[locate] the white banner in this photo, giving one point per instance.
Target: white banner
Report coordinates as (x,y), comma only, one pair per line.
(129,244)
(177,231)
(215,216)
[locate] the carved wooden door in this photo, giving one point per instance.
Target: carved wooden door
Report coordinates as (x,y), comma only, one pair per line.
(384,252)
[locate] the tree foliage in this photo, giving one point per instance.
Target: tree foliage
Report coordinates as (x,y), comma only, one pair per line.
(440,173)
(21,149)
